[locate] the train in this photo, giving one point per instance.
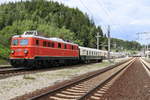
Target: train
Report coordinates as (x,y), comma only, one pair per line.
(34,51)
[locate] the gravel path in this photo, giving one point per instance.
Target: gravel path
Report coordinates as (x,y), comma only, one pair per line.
(132,85)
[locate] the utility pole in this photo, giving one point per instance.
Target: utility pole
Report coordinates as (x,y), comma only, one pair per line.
(108,32)
(147,51)
(98,36)
(144,37)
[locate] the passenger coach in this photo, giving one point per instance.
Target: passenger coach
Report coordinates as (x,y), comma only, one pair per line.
(91,55)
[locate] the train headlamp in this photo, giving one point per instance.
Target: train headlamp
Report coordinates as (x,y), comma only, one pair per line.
(12,51)
(25,51)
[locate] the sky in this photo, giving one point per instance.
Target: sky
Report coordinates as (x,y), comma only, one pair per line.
(125,17)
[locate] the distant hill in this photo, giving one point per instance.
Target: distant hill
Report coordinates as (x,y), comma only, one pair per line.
(50,18)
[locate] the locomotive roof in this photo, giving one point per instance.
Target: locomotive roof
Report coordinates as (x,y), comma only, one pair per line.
(41,37)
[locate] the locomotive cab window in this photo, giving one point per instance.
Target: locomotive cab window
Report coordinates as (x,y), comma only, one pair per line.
(15,42)
(24,42)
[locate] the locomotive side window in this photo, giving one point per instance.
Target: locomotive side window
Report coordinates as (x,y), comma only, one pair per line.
(37,42)
(49,44)
(77,48)
(59,45)
(53,44)
(24,42)
(44,43)
(65,46)
(15,42)
(74,47)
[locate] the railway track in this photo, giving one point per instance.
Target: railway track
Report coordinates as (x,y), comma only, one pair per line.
(144,61)
(7,71)
(4,67)
(84,87)
(10,70)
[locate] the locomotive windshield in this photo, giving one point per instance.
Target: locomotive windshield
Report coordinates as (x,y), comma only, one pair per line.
(24,42)
(15,42)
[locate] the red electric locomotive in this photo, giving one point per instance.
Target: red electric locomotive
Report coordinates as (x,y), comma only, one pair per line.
(32,50)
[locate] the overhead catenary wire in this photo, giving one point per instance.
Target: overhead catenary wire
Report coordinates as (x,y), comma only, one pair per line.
(104,26)
(108,13)
(83,4)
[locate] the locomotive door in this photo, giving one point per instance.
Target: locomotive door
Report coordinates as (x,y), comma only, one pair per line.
(37,48)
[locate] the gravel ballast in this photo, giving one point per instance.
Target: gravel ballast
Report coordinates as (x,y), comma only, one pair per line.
(23,84)
(134,84)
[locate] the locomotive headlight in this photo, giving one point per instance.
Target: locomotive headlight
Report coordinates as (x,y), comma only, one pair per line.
(12,51)
(25,51)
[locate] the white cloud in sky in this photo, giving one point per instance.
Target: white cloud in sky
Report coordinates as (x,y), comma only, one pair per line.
(126,17)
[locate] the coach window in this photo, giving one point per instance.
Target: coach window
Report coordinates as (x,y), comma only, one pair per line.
(44,43)
(37,42)
(72,47)
(59,45)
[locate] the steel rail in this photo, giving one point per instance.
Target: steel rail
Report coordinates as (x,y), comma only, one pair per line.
(103,82)
(4,67)
(9,70)
(146,64)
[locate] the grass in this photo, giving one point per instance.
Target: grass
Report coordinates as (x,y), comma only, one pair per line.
(29,77)
(3,62)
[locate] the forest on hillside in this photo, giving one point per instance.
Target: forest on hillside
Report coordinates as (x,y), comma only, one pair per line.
(53,20)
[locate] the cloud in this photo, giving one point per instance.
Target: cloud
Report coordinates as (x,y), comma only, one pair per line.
(141,22)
